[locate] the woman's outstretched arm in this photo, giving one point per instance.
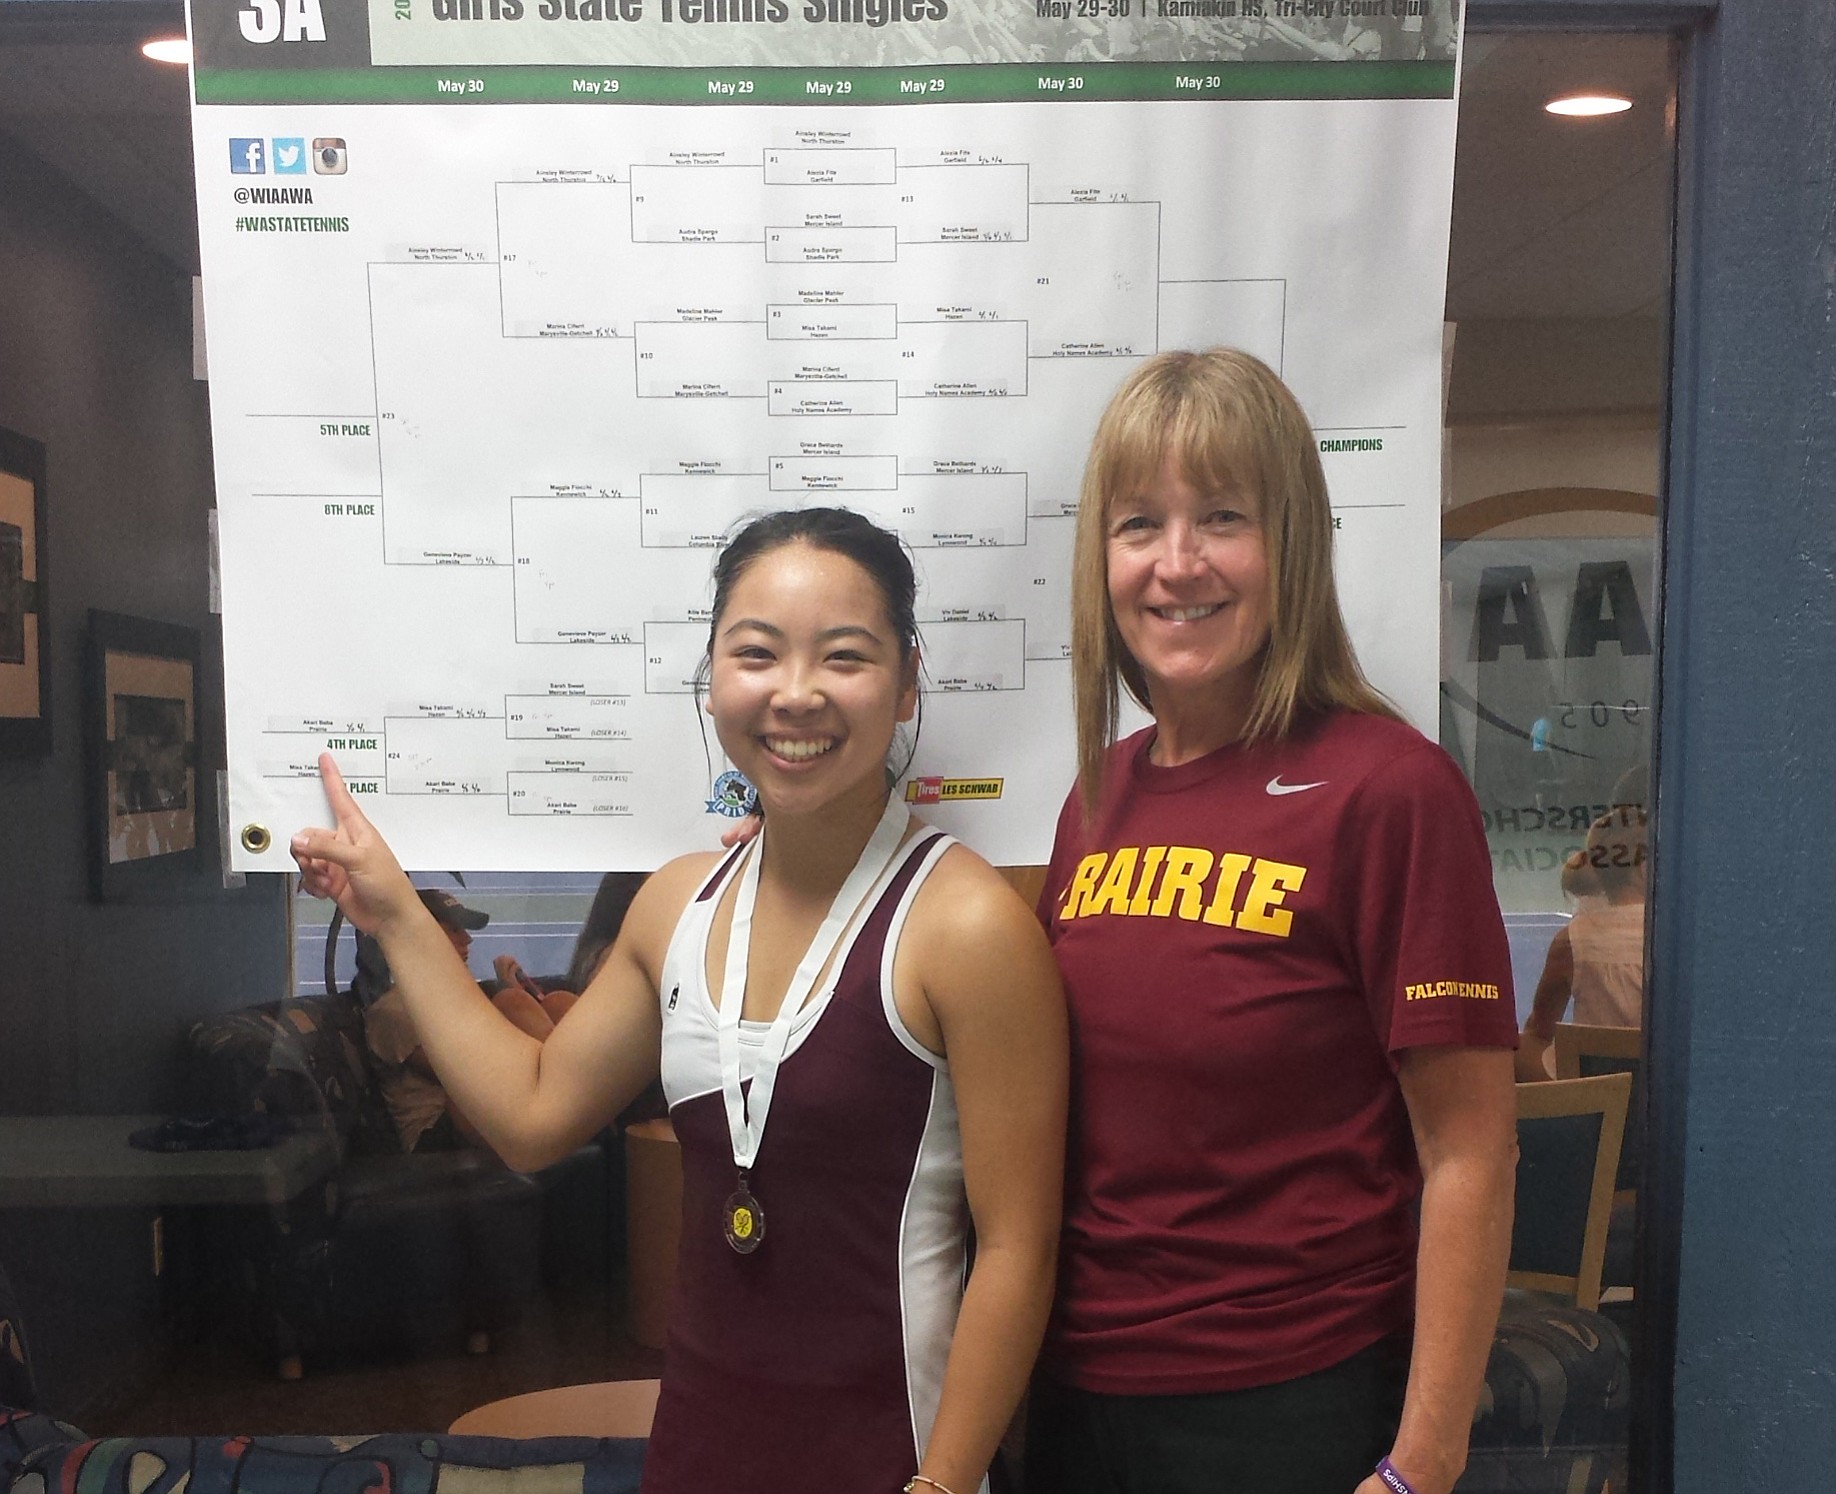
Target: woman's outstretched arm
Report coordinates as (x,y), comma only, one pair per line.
(532,1101)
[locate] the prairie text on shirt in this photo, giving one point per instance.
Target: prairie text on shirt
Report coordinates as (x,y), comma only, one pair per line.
(1230,889)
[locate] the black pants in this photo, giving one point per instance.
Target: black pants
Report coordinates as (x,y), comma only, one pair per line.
(1319,1434)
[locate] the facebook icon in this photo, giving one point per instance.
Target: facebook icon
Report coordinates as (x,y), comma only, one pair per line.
(247,157)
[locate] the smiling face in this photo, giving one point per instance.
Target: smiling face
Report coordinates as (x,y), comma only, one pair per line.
(808,679)
(1189,588)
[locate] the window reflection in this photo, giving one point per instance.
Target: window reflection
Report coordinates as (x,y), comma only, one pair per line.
(1558,293)
(1548,680)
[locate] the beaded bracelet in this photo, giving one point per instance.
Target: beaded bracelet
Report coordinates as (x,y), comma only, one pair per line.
(1392,1480)
(911,1484)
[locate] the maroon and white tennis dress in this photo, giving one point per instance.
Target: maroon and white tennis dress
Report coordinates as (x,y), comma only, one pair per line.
(816,1361)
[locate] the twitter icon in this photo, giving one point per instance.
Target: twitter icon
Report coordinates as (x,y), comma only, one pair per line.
(289,157)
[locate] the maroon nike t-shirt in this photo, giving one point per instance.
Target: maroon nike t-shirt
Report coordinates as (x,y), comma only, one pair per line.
(1247,942)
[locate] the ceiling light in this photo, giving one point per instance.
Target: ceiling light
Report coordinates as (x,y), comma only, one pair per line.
(168,49)
(1588,105)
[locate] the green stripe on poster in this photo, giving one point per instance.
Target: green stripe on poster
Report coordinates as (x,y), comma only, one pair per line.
(974,84)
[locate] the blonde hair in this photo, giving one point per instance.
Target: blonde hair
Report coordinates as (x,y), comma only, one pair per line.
(1232,426)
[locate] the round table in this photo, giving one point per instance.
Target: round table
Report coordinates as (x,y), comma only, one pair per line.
(608,1408)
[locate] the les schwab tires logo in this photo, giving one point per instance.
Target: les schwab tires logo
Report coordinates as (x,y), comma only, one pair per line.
(951,790)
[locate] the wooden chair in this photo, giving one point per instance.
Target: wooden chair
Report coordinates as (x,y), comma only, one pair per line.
(1554,1416)
(1569,1133)
(1583,1052)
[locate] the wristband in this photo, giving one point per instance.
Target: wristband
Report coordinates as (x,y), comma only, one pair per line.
(1392,1480)
(911,1484)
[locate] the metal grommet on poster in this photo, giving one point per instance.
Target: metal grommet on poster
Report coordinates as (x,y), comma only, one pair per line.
(256,839)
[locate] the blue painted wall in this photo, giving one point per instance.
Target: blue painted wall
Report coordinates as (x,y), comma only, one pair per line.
(95,362)
(1744,951)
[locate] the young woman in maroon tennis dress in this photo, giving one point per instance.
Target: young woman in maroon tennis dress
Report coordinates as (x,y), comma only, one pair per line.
(862,1039)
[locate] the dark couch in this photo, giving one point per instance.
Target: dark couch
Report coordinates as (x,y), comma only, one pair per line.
(388,1250)
(40,1455)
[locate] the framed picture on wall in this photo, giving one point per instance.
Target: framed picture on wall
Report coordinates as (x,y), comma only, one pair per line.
(140,707)
(25,640)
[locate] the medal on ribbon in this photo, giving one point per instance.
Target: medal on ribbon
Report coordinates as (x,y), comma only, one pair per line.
(742,1221)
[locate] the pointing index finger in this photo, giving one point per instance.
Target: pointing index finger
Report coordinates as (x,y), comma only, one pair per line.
(343,807)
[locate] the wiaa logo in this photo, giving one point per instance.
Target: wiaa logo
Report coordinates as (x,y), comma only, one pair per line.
(264,21)
(734,797)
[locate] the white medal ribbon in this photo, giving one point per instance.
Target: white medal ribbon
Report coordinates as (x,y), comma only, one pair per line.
(746,1115)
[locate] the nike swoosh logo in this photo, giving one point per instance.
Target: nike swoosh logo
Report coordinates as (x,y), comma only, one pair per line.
(1277,787)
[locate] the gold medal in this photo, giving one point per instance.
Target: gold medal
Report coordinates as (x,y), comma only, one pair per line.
(742,1220)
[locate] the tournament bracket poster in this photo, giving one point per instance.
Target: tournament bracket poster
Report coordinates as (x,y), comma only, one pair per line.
(516,307)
